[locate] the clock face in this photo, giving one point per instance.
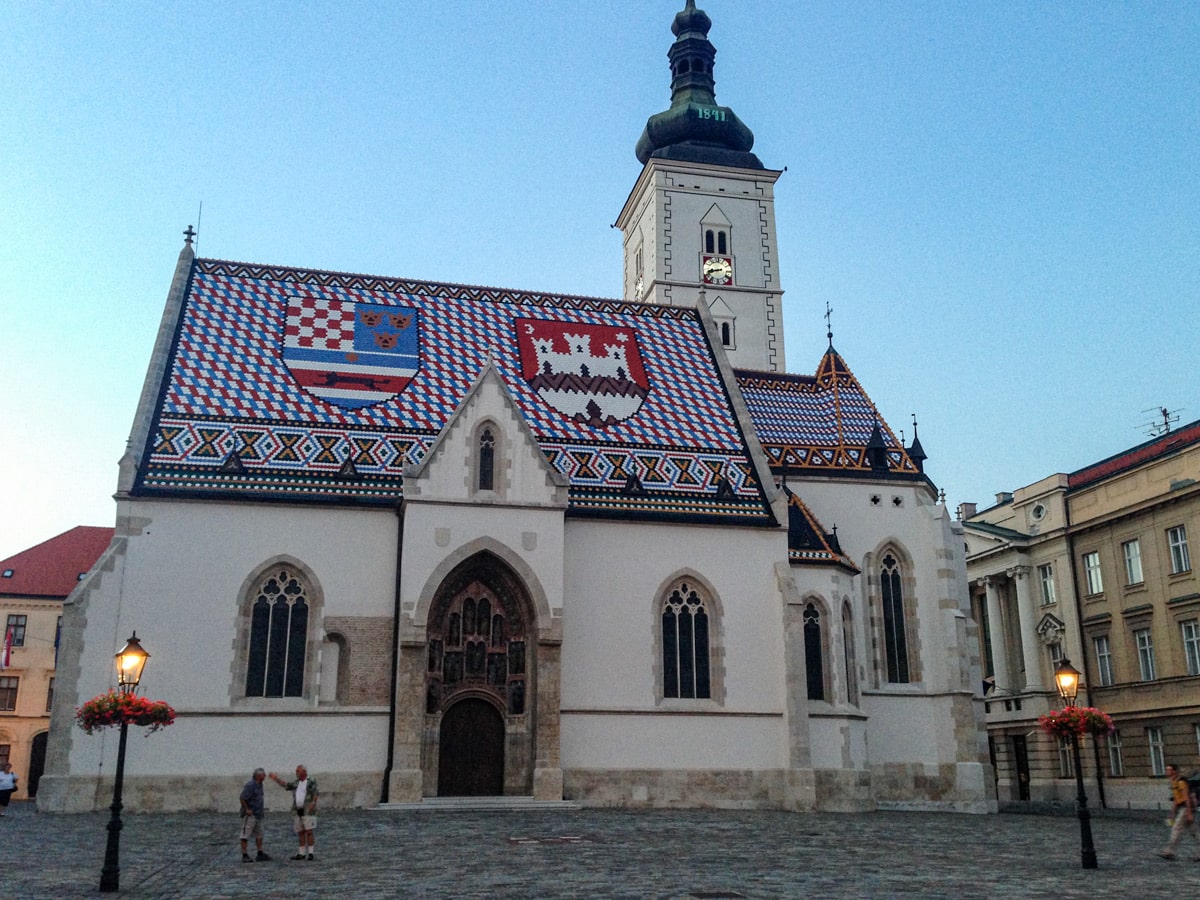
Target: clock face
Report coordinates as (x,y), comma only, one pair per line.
(716,270)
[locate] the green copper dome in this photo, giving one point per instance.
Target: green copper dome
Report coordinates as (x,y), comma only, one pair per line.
(695,128)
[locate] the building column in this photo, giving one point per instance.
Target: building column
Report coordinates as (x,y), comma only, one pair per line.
(996,635)
(1030,645)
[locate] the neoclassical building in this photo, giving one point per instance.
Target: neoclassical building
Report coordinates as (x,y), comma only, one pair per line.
(1096,566)
(438,540)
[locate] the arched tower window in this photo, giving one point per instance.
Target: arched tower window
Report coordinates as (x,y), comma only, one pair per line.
(710,245)
(685,623)
(814,653)
(278,635)
(722,242)
(726,334)
(487,459)
(895,640)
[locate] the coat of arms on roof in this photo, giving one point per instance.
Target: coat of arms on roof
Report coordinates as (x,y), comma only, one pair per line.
(591,373)
(350,354)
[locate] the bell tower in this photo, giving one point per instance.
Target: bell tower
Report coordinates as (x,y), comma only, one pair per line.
(700,221)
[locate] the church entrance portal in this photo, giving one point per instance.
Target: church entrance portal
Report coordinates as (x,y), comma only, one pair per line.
(471,751)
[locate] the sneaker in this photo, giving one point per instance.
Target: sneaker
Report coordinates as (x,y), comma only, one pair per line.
(246,858)
(263,857)
(1167,855)
(298,856)
(310,857)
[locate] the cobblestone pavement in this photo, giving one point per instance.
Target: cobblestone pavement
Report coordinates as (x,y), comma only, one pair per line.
(599,853)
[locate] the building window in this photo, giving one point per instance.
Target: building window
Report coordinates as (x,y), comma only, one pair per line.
(1158,763)
(50,695)
(1191,645)
(814,653)
(1133,562)
(685,644)
(1177,540)
(1066,767)
(848,654)
(1104,669)
(1145,650)
(1056,654)
(1091,571)
(894,637)
(1197,738)
(1116,762)
(8,692)
(487,459)
(1046,577)
(16,625)
(5,750)
(278,636)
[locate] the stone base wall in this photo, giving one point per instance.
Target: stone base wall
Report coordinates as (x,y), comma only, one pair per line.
(150,794)
(951,787)
(663,788)
(841,790)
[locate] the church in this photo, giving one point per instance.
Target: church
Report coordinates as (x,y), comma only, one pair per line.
(435,540)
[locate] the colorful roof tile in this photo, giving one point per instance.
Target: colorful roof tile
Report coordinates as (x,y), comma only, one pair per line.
(52,568)
(820,424)
(295,384)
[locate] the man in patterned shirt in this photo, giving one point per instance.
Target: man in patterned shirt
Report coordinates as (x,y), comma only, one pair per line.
(304,809)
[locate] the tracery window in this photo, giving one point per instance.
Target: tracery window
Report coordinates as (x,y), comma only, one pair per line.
(895,639)
(685,643)
(476,644)
(848,654)
(487,459)
(813,653)
(278,635)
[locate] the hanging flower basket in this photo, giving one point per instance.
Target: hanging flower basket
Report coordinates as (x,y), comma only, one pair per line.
(1077,720)
(112,708)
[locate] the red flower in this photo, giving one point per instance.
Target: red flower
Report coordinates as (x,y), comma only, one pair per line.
(1077,720)
(112,708)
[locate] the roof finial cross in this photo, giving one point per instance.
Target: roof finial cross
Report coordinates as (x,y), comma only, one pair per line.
(828,324)
(188,235)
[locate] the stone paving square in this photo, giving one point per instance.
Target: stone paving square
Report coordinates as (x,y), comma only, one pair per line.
(598,853)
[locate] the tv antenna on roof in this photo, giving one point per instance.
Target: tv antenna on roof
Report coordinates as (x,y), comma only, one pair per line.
(1162,421)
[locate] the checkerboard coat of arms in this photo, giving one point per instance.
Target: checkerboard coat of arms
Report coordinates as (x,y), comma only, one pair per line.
(591,373)
(351,354)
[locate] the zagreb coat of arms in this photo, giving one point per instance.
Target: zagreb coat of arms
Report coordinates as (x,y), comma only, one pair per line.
(350,354)
(591,373)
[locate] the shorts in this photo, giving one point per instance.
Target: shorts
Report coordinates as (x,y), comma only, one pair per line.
(252,827)
(303,823)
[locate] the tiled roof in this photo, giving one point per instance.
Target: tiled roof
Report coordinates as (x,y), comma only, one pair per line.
(293,384)
(1163,445)
(819,424)
(52,568)
(808,542)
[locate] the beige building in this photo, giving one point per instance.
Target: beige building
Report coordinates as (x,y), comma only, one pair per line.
(1096,566)
(33,585)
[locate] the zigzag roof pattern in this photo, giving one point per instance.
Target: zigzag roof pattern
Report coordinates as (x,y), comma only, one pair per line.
(290,384)
(820,424)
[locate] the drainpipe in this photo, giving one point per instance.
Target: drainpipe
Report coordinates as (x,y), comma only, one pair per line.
(1083,653)
(391,752)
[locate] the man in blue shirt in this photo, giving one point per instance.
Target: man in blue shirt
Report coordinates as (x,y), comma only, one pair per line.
(252,815)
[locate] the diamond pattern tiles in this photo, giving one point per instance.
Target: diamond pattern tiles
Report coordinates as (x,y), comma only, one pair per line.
(818,423)
(234,416)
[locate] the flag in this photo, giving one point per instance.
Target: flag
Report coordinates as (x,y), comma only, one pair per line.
(6,653)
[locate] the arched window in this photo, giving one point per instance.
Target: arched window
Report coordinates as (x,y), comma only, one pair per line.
(709,241)
(685,644)
(722,243)
(895,640)
(726,334)
(278,635)
(487,459)
(813,653)
(848,654)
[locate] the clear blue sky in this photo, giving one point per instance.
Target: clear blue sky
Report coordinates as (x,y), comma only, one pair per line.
(1001,201)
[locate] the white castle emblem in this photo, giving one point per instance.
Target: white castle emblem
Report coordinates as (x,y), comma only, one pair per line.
(580,360)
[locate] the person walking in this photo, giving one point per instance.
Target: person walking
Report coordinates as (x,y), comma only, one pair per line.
(253,811)
(8,784)
(304,808)
(1183,810)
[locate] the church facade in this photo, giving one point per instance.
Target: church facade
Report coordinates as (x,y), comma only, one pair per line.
(434,540)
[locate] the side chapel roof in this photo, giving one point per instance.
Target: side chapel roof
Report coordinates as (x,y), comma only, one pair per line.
(297,385)
(811,544)
(822,424)
(52,568)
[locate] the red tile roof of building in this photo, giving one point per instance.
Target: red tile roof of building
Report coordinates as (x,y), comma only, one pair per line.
(1163,445)
(52,568)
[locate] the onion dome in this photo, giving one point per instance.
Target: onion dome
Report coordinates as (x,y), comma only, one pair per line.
(695,128)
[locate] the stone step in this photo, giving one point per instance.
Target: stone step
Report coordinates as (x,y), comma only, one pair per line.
(462,804)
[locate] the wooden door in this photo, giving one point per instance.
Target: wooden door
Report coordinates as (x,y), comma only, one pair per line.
(471,750)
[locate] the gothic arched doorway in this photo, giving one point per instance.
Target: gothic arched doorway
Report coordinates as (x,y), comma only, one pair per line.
(471,750)
(478,690)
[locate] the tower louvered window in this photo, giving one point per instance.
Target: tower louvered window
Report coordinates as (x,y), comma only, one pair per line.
(278,636)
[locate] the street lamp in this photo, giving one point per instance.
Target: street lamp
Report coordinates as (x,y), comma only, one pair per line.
(1066,677)
(130,660)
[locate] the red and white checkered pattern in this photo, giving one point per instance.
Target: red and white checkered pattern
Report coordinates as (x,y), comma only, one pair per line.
(321,324)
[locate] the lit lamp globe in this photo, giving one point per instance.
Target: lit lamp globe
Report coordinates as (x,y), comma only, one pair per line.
(131,659)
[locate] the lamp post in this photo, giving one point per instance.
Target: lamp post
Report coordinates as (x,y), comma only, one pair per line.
(130,661)
(1066,677)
